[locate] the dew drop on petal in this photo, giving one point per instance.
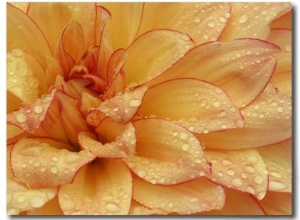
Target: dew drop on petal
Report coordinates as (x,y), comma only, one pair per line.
(134,102)
(194,200)
(243,19)
(249,168)
(250,189)
(230,172)
(38,109)
(211,24)
(54,169)
(112,207)
(21,118)
(275,174)
(258,179)
(237,182)
(21,199)
(277,185)
(142,173)
(36,201)
(186,146)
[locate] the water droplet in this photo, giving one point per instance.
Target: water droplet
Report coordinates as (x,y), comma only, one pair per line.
(55,159)
(142,173)
(217,104)
(197,19)
(153,181)
(175,133)
(275,174)
(237,182)
(36,201)
(250,189)
(280,109)
(186,146)
(222,19)
(205,130)
(256,8)
(259,179)
(37,164)
(226,162)
(288,48)
(68,205)
(213,160)
(211,24)
(243,19)
(194,200)
(222,114)
(134,103)
(54,169)
(72,158)
(184,136)
(112,207)
(21,118)
(264,12)
(21,199)
(38,109)
(277,185)
(43,169)
(230,172)
(252,159)
(244,175)
(220,173)
(249,168)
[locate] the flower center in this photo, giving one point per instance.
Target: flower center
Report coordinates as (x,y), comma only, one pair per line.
(20,79)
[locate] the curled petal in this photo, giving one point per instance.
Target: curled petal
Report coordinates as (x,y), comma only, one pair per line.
(186,198)
(101,188)
(276,203)
(246,205)
(122,145)
(61,14)
(252,19)
(124,24)
(167,46)
(242,68)
(267,121)
(195,104)
(42,163)
(197,20)
(122,108)
(166,153)
(243,170)
(278,158)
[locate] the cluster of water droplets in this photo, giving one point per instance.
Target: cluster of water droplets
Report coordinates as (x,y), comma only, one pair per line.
(19,77)
(246,172)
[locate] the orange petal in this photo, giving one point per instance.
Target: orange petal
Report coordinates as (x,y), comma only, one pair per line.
(101,188)
(22,198)
(41,162)
(197,105)
(13,101)
(278,158)
(243,170)
(13,133)
(186,198)
(124,24)
(284,21)
(237,203)
(195,19)
(276,203)
(59,15)
(50,208)
(21,5)
(138,209)
(24,34)
(177,156)
(123,107)
(167,46)
(282,78)
(267,121)
(252,20)
(122,145)
(242,68)
(88,103)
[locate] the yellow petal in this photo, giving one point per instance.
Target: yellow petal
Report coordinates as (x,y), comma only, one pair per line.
(267,121)
(101,188)
(202,21)
(252,20)
(50,208)
(166,153)
(243,170)
(120,146)
(282,78)
(186,198)
(42,163)
(53,17)
(123,107)
(278,158)
(276,203)
(242,68)
(167,46)
(125,21)
(138,209)
(237,203)
(195,104)
(24,34)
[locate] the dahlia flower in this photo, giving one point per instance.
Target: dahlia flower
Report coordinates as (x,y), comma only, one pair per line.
(149,108)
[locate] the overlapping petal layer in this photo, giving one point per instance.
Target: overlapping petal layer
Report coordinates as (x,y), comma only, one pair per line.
(252,19)
(267,121)
(166,153)
(187,198)
(138,209)
(244,170)
(242,68)
(50,208)
(197,20)
(41,162)
(167,46)
(199,106)
(97,190)
(278,158)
